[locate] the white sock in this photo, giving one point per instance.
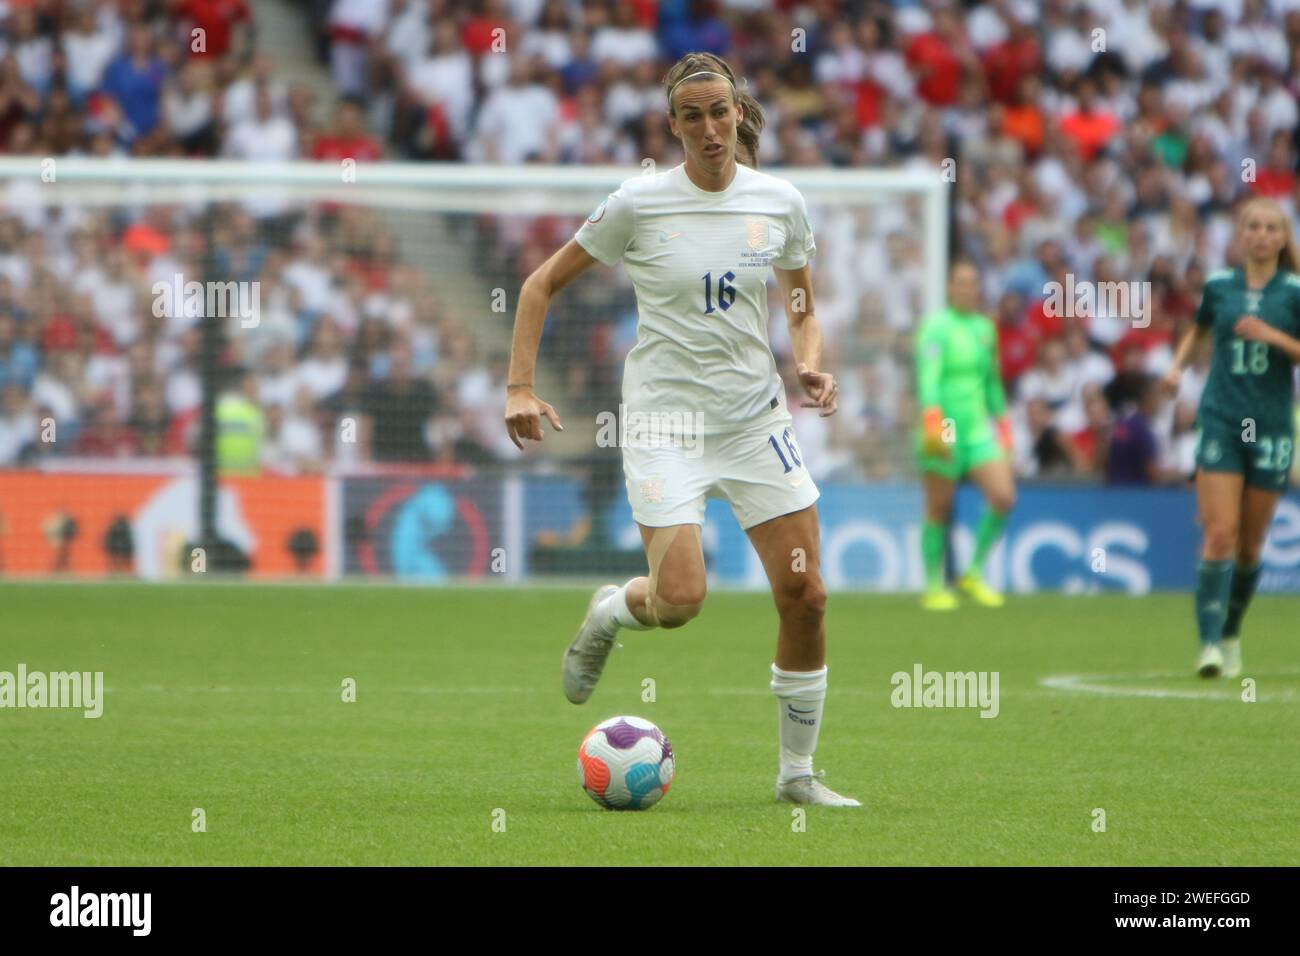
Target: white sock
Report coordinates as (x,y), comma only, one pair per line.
(613,613)
(801,696)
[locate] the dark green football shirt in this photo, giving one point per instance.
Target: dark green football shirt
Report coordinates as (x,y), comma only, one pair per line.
(1249,380)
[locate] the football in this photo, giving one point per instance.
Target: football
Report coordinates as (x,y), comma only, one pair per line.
(625,763)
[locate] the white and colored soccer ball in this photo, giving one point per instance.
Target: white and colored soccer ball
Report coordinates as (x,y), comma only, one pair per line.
(625,763)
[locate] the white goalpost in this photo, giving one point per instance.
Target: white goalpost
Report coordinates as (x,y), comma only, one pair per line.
(403,263)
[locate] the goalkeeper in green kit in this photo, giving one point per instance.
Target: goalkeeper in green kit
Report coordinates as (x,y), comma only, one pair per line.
(964,432)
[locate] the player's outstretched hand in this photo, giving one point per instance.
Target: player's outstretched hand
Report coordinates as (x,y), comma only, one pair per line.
(1169,381)
(822,391)
(524,413)
(1253,328)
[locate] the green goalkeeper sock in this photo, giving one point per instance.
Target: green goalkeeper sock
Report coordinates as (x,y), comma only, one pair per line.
(1243,589)
(1213,584)
(932,543)
(990,529)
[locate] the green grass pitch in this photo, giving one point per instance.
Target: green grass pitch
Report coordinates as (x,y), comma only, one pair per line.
(228,698)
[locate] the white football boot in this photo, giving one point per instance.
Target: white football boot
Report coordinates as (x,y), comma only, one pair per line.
(1231,657)
(1210,663)
(812,791)
(585,659)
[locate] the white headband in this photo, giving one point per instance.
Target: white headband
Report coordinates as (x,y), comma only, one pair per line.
(692,76)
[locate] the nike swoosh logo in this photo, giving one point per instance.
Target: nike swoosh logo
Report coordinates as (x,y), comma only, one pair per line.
(798,711)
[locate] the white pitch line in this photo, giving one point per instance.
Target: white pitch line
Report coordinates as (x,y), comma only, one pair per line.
(1056,685)
(327,689)
(1082,683)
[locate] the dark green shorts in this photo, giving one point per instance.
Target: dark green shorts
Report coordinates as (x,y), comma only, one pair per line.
(1263,463)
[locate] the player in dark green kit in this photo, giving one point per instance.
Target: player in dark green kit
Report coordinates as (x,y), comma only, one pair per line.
(1246,426)
(964,432)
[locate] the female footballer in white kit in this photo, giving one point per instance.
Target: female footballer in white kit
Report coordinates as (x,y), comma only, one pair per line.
(698,241)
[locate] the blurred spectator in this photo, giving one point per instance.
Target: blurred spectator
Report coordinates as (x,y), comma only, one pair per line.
(348,139)
(1053,382)
(33,51)
(135,81)
(353,24)
(88,46)
(1125,390)
(1134,454)
(106,435)
(241,426)
(293,441)
(1093,440)
(1087,366)
(239,99)
(58,388)
(189,109)
(400,408)
(279,380)
(627,41)
(19,104)
(1017,341)
(18,425)
(325,368)
(151,421)
(699,30)
(266,135)
(213,28)
(18,358)
(439,91)
(1089,127)
(519,121)
(1043,450)
(1009,64)
(938,57)
(347,411)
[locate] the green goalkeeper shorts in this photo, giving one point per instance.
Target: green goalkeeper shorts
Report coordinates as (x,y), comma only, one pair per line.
(965,457)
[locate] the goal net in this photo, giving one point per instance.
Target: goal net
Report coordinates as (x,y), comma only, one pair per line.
(298,370)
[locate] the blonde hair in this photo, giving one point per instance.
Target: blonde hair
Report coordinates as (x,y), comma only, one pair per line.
(1288,256)
(705,65)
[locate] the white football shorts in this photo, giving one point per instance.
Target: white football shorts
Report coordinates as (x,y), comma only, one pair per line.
(758,469)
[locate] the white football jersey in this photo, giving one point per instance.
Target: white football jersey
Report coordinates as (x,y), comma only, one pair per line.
(699,262)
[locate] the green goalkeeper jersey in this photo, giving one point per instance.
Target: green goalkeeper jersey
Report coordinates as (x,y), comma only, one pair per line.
(957,371)
(1248,380)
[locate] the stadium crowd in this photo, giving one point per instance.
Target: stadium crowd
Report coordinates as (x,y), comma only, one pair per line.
(95,362)
(352,357)
(1095,141)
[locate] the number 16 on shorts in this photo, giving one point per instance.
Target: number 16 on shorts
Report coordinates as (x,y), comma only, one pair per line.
(787,450)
